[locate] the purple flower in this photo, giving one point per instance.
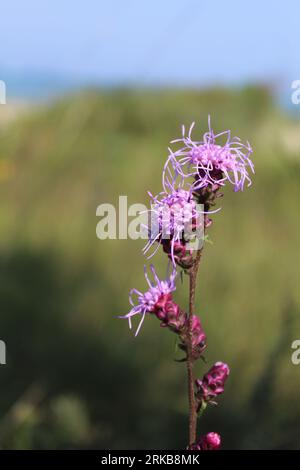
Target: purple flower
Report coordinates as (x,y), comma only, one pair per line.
(147,302)
(210,161)
(174,219)
(212,383)
(211,441)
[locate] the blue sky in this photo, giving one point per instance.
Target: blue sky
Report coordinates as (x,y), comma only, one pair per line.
(192,42)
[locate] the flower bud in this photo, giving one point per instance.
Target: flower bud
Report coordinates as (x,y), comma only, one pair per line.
(198,337)
(170,313)
(211,441)
(212,383)
(177,251)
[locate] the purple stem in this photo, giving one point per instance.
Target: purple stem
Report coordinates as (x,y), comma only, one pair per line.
(190,360)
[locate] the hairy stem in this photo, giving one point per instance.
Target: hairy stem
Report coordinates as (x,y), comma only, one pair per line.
(190,361)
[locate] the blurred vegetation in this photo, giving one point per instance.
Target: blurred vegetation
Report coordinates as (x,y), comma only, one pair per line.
(75,376)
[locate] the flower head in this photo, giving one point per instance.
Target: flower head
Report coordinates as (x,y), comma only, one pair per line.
(148,302)
(174,220)
(211,441)
(212,162)
(212,383)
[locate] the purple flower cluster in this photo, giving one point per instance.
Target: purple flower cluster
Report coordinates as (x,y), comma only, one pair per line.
(211,165)
(211,441)
(192,176)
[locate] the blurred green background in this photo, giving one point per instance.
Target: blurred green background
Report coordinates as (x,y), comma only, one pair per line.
(75,376)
